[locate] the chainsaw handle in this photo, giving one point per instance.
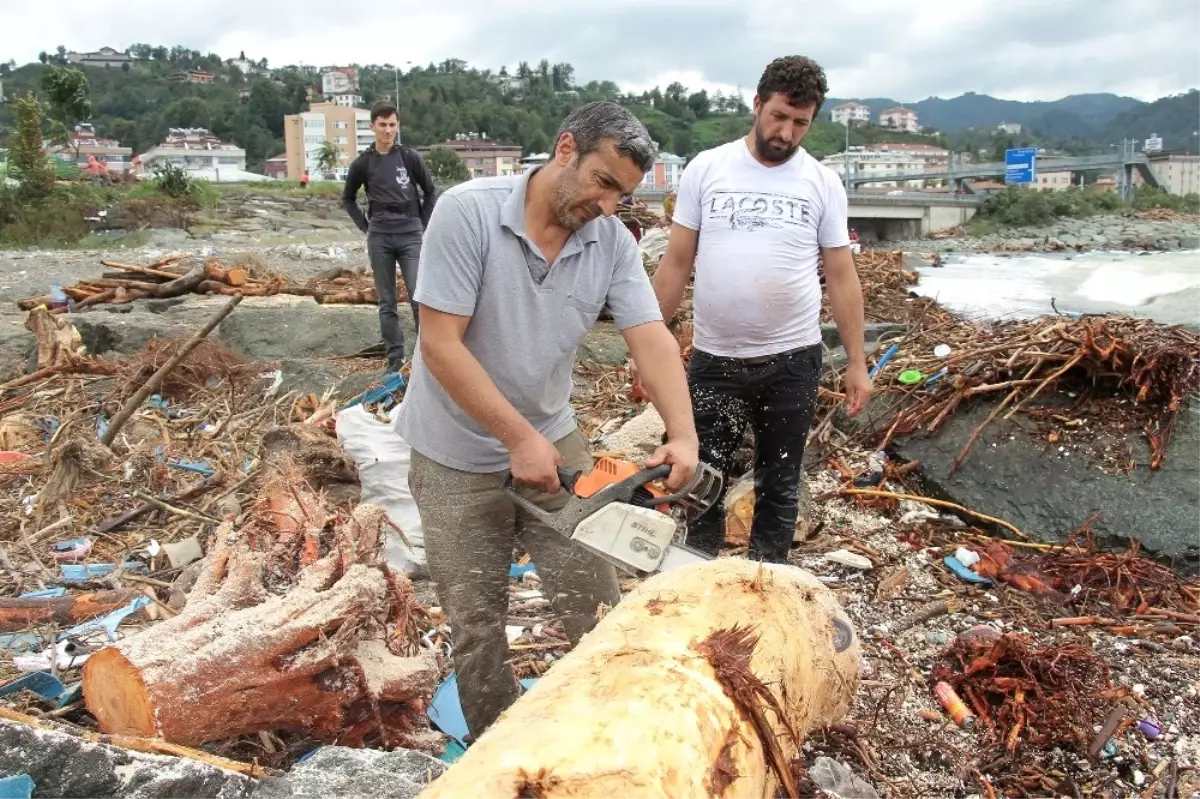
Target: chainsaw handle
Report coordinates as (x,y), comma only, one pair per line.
(565,478)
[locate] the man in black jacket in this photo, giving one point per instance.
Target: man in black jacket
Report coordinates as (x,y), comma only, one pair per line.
(395,221)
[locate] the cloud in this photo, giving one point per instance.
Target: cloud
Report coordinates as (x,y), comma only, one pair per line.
(1021,49)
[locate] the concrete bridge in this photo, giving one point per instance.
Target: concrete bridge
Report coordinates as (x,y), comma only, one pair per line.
(880,217)
(960,175)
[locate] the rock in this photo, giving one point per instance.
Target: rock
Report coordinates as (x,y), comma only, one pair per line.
(341,771)
(603,345)
(1189,242)
(1069,240)
(166,238)
(305,329)
(1099,239)
(844,557)
(64,765)
(1010,475)
(18,351)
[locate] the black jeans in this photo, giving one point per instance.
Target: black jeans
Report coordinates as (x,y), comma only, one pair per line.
(385,250)
(775,395)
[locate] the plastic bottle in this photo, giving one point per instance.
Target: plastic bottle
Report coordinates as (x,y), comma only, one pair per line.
(58,297)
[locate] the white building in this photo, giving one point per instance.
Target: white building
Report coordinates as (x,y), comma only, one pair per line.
(104,58)
(340,81)
(1178,171)
(1011,128)
(933,156)
(900,118)
(862,162)
(851,112)
(194,149)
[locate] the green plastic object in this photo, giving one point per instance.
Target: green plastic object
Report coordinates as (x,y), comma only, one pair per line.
(910,376)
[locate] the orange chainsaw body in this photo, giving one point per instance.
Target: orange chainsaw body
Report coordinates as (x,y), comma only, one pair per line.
(613,470)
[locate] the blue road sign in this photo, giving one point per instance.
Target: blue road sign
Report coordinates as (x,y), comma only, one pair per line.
(1020,165)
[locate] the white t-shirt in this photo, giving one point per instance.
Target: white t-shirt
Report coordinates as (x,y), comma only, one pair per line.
(761,230)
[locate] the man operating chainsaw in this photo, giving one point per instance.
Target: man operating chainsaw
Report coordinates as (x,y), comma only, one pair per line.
(513,274)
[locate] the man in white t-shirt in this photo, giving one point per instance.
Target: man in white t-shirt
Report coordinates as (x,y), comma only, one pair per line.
(752,218)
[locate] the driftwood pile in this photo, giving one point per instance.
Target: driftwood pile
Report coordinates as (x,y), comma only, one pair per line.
(177,275)
(1121,373)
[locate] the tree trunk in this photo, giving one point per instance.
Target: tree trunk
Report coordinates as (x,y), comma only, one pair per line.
(672,696)
(332,653)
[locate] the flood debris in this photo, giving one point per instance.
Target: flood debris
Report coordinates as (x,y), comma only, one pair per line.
(178,275)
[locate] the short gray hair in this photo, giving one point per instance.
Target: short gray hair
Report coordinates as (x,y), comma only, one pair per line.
(593,123)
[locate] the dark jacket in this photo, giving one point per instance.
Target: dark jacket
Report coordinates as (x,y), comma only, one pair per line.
(391,180)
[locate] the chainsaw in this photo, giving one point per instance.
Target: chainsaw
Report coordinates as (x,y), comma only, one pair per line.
(616,512)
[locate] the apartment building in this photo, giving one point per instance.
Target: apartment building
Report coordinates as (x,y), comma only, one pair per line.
(851,112)
(900,118)
(84,142)
(104,58)
(665,174)
(1011,128)
(1178,171)
(1054,181)
(304,133)
(864,162)
(483,157)
(194,149)
(933,156)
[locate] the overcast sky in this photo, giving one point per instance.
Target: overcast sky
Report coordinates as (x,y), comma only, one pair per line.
(1018,49)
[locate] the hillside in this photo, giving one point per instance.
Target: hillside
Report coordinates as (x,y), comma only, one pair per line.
(138,105)
(1176,119)
(1075,116)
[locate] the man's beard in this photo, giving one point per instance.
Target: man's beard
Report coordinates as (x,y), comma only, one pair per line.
(564,201)
(768,151)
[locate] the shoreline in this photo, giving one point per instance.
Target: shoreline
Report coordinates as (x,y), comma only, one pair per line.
(1112,232)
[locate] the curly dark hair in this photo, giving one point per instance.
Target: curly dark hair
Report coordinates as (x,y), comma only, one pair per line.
(799,78)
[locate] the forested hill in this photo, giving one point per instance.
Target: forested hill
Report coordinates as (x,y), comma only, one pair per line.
(137,105)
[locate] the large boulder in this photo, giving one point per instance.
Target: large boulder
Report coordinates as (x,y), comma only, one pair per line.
(1013,474)
(339,771)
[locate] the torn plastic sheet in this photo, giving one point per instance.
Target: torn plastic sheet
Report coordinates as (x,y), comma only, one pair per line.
(79,572)
(962,572)
(42,683)
(107,623)
(445,711)
(18,786)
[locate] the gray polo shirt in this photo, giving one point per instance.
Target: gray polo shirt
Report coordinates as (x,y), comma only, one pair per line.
(527,317)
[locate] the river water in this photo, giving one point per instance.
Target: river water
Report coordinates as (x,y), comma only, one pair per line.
(1164,286)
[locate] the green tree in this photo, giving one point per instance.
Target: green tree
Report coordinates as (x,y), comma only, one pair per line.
(26,157)
(328,158)
(66,92)
(445,166)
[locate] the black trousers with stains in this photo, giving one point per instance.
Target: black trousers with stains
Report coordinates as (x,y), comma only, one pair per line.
(775,396)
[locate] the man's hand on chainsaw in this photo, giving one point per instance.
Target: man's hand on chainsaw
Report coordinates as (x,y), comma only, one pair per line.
(534,462)
(683,455)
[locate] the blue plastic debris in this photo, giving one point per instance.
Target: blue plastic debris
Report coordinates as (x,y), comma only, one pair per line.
(962,572)
(882,362)
(107,623)
(19,786)
(42,683)
(445,711)
(199,467)
(78,572)
(45,593)
(156,401)
(20,642)
(453,751)
(389,384)
(101,426)
(72,693)
(516,570)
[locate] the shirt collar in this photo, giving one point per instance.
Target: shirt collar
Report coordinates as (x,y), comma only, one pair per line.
(512,213)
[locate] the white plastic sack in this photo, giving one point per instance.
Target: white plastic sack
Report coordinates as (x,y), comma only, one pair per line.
(382,457)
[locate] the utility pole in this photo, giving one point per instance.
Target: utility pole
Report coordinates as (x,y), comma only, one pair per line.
(846,156)
(396,99)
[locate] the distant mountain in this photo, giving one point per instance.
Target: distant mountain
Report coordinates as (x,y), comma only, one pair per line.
(1176,119)
(1082,116)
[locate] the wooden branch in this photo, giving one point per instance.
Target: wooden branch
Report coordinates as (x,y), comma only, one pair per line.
(65,611)
(867,492)
(142,270)
(198,487)
(156,379)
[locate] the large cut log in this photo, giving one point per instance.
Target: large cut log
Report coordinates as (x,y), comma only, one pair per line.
(332,655)
(702,682)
